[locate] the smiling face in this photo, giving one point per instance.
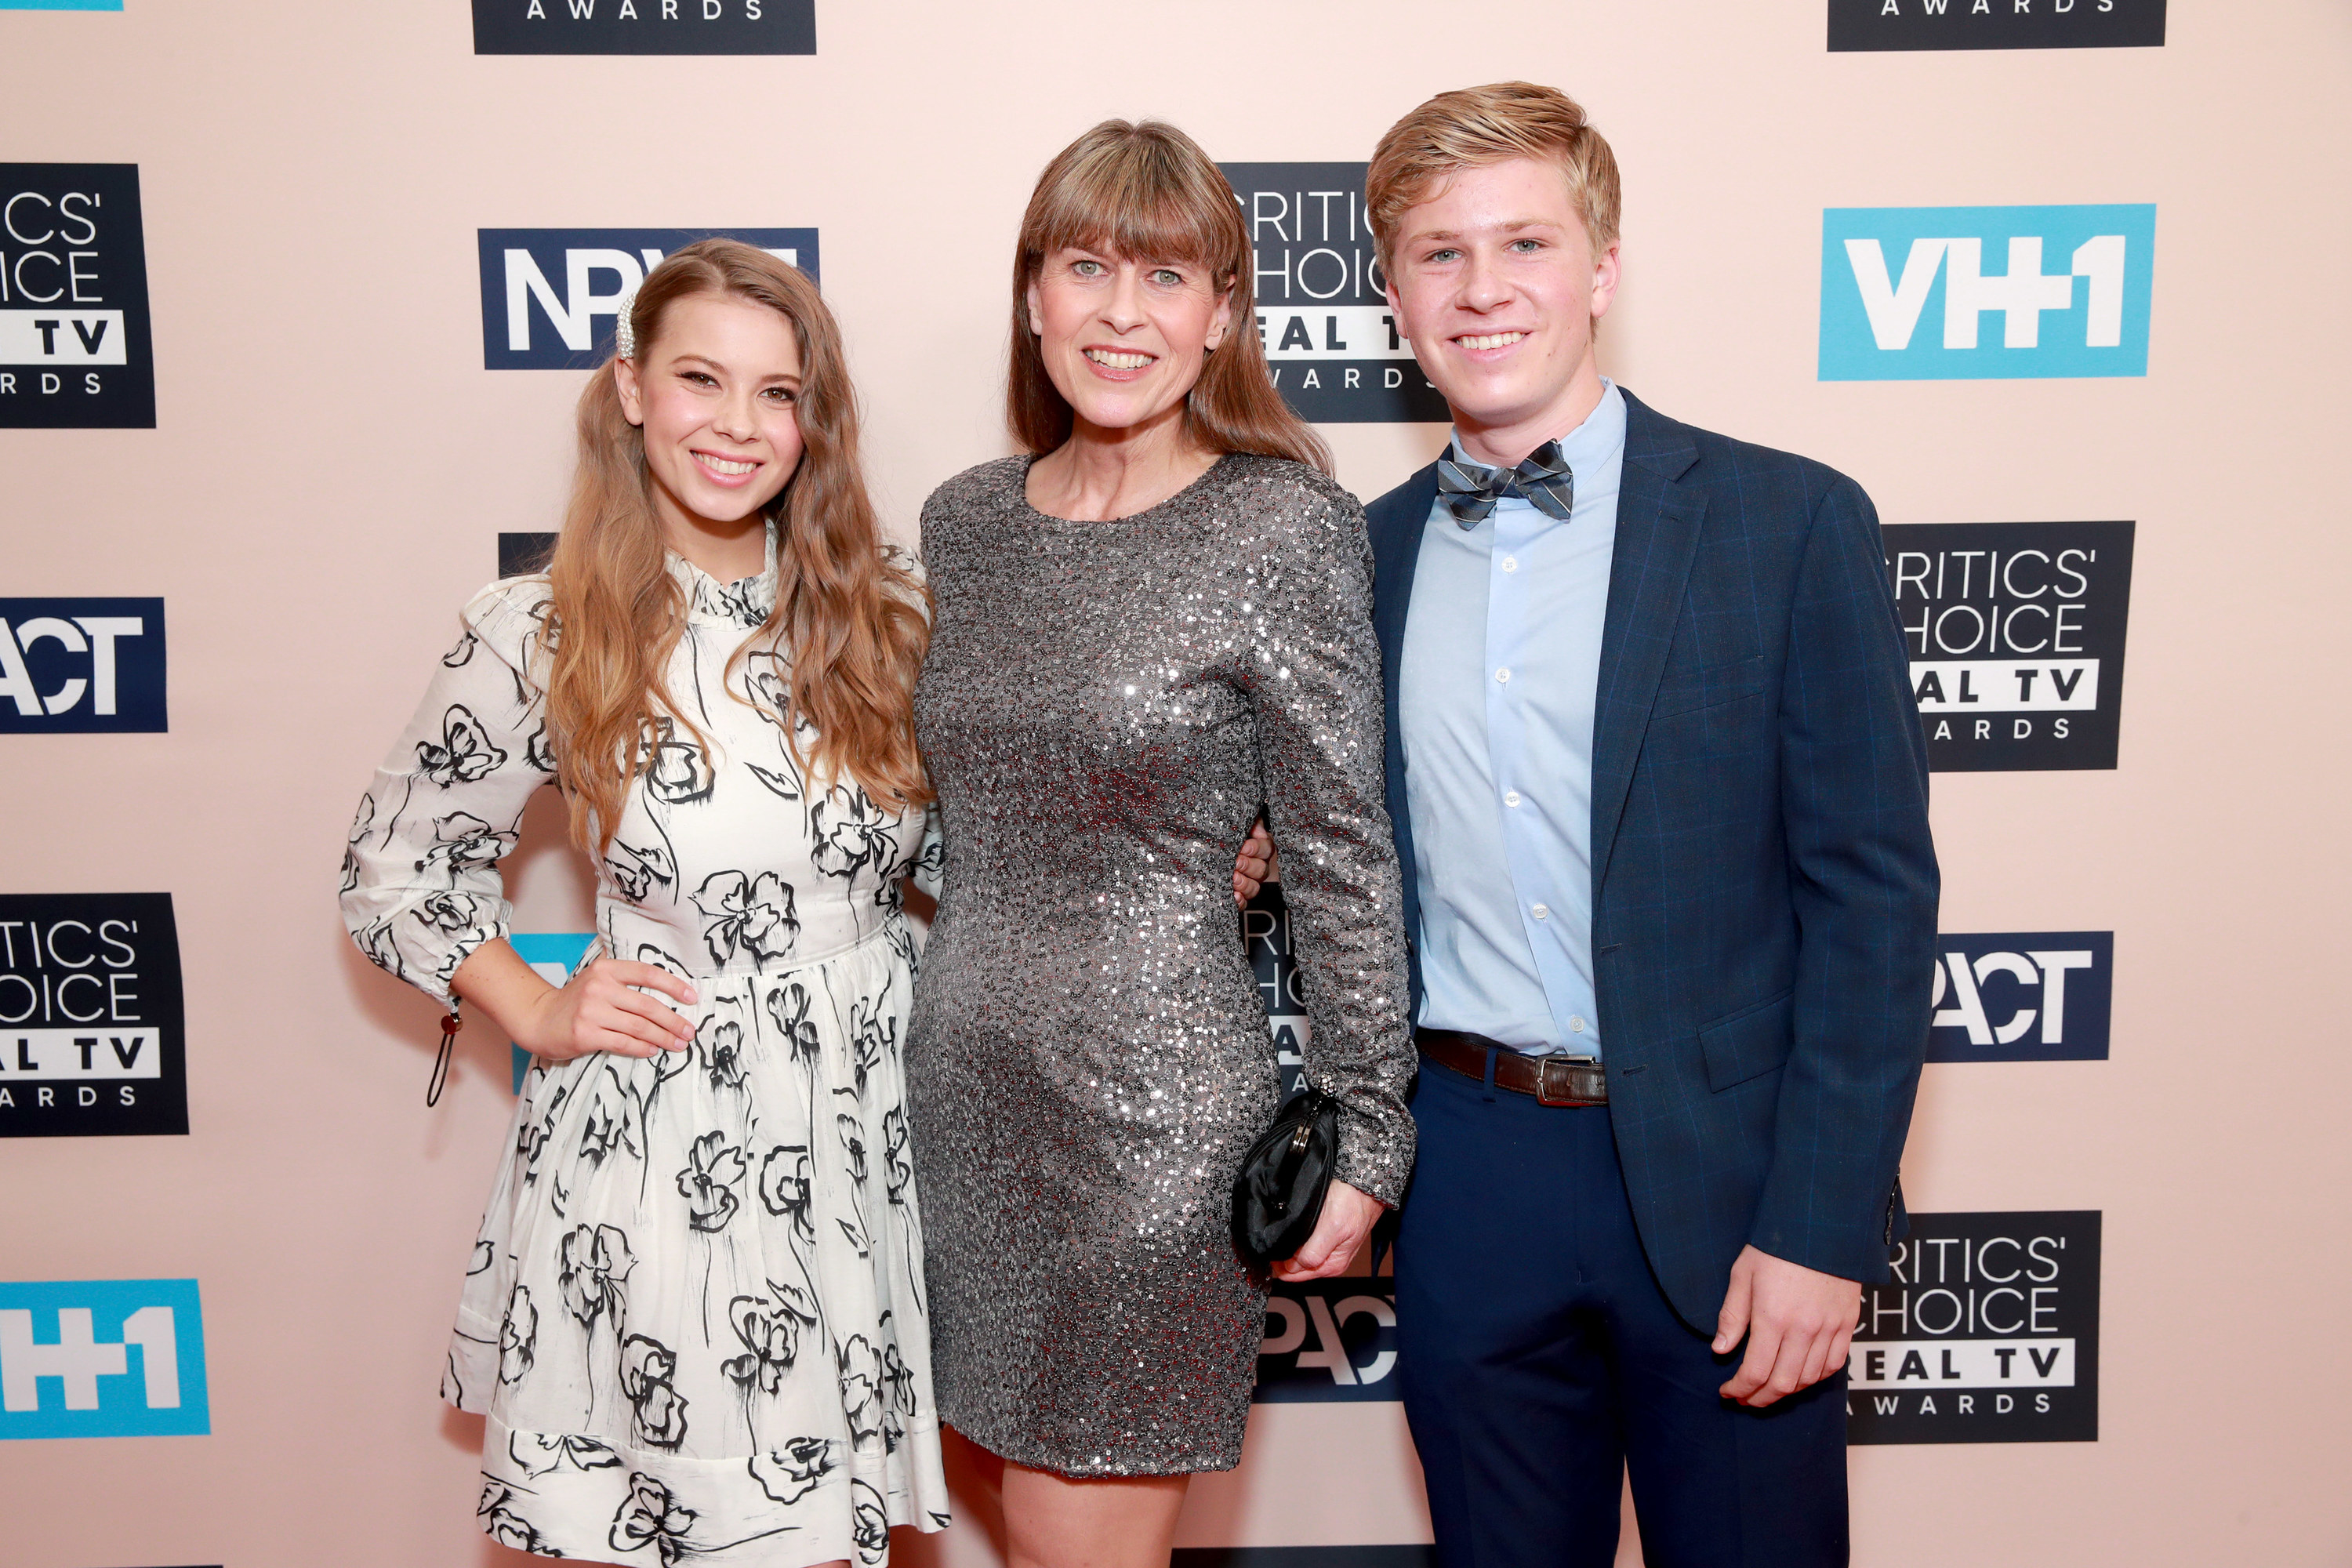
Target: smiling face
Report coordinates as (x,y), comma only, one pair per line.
(716,394)
(1124,341)
(1494,279)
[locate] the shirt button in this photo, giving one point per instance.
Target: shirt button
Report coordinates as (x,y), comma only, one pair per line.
(1542,913)
(1576,1025)
(1503,676)
(1511,563)
(1511,797)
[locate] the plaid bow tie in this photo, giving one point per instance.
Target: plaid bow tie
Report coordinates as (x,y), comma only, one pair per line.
(1471,489)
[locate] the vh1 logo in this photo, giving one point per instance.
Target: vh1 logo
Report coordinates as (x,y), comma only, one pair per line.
(102,1358)
(1906,291)
(551,296)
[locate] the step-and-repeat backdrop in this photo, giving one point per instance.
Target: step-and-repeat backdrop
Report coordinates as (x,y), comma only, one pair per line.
(295,299)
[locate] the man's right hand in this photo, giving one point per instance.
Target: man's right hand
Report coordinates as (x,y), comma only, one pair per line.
(1255,866)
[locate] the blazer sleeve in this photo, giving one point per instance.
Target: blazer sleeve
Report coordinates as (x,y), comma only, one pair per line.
(1853,792)
(1313,678)
(421,885)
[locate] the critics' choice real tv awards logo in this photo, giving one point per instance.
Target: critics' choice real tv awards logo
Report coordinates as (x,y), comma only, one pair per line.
(2016,632)
(1331,338)
(551,296)
(76,346)
(92,1034)
(81,665)
(1985,293)
(102,1358)
(2023,996)
(1874,25)
(1987,1333)
(645,27)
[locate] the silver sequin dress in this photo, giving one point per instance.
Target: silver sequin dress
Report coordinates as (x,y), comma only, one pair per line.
(1105,709)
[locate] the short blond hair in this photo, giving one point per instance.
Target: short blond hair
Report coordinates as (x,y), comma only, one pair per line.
(1475,126)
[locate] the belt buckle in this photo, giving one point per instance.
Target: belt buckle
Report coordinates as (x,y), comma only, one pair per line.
(1567,1095)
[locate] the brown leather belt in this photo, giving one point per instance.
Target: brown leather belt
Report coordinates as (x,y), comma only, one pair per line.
(1553,1080)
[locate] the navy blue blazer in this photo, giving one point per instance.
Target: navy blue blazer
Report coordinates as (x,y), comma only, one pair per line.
(1764,883)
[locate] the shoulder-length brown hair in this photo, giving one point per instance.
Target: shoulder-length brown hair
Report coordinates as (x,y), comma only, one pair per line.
(1147,192)
(855,621)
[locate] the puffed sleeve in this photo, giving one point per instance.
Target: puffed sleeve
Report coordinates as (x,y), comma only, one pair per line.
(1314,684)
(421,885)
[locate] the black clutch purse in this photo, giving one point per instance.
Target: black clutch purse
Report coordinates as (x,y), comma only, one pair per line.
(1278,1195)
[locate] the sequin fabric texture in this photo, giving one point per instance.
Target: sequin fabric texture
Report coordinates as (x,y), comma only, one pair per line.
(1104,710)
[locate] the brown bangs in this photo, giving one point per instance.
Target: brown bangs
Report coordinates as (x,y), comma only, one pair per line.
(1148,193)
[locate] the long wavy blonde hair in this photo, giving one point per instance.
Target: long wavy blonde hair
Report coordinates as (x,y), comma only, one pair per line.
(854,619)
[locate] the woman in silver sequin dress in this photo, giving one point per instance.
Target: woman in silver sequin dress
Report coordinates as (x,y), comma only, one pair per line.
(1148,630)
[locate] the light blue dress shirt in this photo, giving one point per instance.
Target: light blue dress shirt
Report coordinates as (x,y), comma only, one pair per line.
(1501,668)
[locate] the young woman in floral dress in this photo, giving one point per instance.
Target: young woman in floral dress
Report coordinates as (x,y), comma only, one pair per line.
(695,1317)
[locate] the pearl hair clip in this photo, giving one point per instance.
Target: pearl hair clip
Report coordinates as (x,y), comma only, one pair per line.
(624,330)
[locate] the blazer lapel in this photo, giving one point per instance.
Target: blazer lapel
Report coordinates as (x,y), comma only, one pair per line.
(1395,523)
(1658,519)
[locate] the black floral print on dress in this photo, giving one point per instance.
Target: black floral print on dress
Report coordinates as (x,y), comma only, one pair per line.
(694,1318)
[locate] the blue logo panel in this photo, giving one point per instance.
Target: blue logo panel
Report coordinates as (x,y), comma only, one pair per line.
(102,1358)
(60,5)
(1985,293)
(1328,1340)
(2023,996)
(554,956)
(81,666)
(550,296)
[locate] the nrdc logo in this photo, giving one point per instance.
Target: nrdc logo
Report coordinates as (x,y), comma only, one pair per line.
(81,666)
(102,1358)
(550,296)
(1328,1340)
(1978,293)
(2022,996)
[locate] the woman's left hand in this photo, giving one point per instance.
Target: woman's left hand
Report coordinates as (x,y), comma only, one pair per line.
(1347,1218)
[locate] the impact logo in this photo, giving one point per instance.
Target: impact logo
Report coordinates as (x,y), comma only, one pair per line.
(1989,1332)
(2016,632)
(550,296)
(645,27)
(79,666)
(1328,1340)
(1322,302)
(102,1358)
(2026,996)
(92,1034)
(76,345)
(1865,25)
(1906,292)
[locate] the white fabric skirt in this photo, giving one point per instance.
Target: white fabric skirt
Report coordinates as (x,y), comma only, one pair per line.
(695,1318)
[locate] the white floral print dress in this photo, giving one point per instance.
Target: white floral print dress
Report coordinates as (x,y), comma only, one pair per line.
(695,1318)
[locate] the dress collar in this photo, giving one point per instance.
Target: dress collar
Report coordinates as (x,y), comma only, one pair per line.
(744,602)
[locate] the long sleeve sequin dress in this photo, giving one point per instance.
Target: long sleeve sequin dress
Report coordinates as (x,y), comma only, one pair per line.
(1105,709)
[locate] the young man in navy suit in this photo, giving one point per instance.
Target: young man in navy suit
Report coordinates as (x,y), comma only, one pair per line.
(1660,789)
